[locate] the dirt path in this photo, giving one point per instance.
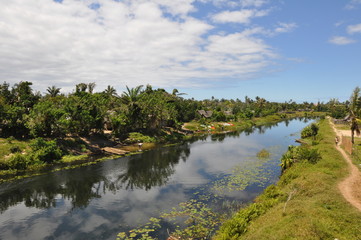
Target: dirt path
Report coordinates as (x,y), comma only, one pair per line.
(349,187)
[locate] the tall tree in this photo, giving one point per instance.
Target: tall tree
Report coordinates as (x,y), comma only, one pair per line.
(130,98)
(110,91)
(53,91)
(91,87)
(81,87)
(354,111)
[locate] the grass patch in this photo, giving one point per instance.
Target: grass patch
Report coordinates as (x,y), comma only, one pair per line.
(73,158)
(308,205)
(7,145)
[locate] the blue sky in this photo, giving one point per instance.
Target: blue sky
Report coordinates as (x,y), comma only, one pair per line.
(307,50)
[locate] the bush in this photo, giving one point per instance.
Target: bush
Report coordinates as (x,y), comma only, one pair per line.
(45,151)
(135,137)
(310,131)
(297,154)
(18,161)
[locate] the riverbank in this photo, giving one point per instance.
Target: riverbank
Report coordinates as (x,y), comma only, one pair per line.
(87,151)
(305,204)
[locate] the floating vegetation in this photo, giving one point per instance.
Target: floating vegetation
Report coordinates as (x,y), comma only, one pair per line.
(142,232)
(200,217)
(243,176)
(263,154)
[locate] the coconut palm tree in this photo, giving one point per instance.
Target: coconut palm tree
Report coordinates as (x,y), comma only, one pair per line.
(53,91)
(354,110)
(81,87)
(91,87)
(110,91)
(175,92)
(130,98)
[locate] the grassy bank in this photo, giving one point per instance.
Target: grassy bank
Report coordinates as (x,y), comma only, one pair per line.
(204,125)
(305,204)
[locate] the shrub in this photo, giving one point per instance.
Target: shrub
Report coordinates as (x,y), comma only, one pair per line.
(18,161)
(45,151)
(310,131)
(138,137)
(309,154)
(297,154)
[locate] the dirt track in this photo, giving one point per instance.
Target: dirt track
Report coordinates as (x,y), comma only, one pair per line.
(350,186)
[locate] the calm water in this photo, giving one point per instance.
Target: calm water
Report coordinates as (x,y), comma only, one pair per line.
(97,202)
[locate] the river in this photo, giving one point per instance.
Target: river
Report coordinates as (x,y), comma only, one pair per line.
(99,201)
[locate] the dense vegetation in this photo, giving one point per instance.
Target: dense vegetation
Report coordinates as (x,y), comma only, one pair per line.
(137,114)
(25,113)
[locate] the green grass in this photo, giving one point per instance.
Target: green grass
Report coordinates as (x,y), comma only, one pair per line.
(315,210)
(7,143)
(73,158)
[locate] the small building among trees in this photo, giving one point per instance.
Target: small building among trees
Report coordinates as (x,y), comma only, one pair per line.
(206,114)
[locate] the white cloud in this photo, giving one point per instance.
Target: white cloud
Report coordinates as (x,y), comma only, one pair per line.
(354,29)
(242,16)
(178,7)
(237,3)
(285,27)
(122,43)
(253,3)
(340,40)
(353,4)
(339,23)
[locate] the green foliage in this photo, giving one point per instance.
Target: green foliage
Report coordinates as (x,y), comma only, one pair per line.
(45,151)
(45,119)
(310,131)
(298,154)
(240,222)
(18,161)
(15,149)
(135,137)
(219,116)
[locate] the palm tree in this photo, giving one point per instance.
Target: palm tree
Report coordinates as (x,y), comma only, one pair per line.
(53,91)
(81,87)
(91,87)
(131,96)
(175,92)
(354,109)
(110,91)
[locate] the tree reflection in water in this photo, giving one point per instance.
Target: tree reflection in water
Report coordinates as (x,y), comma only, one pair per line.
(80,186)
(145,174)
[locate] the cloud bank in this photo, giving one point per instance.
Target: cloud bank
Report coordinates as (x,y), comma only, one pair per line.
(129,42)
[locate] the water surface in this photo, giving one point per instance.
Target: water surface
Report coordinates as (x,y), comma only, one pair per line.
(98,201)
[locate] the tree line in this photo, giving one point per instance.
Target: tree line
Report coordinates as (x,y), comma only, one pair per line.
(25,113)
